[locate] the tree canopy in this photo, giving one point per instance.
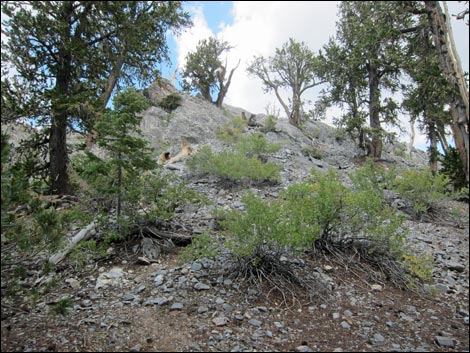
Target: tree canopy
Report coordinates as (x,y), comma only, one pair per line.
(205,72)
(70,55)
(294,66)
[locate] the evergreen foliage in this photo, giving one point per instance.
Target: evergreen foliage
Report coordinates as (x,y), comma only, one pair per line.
(205,72)
(170,102)
(452,167)
(233,166)
(67,75)
(294,66)
(422,188)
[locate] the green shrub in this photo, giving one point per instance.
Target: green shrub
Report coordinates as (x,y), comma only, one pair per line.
(255,145)
(320,212)
(170,102)
(148,196)
(419,266)
(233,166)
(63,306)
(269,124)
(421,188)
(231,131)
(313,151)
(202,245)
(372,178)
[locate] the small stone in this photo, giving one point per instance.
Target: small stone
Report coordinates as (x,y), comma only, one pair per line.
(220,321)
(202,309)
(345,325)
(303,349)
(202,286)
(455,266)
(159,280)
(73,283)
(377,340)
(177,306)
(444,341)
(135,348)
(442,288)
(376,288)
(139,290)
(255,322)
(196,266)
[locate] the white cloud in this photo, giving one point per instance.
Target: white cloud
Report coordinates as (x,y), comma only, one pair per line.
(259,28)
(188,40)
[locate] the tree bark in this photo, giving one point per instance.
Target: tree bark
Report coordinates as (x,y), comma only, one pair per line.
(452,70)
(59,179)
(374,118)
(294,117)
(82,235)
(433,153)
(224,86)
(105,96)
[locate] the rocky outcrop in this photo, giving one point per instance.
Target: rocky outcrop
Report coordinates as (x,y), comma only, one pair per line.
(315,145)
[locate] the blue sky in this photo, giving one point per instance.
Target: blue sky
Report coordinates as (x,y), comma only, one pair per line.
(258,28)
(215,13)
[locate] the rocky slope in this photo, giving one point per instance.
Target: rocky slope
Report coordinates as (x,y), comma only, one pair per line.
(126,304)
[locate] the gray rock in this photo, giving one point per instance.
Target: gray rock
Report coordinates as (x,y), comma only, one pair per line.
(255,322)
(150,249)
(444,341)
(201,286)
(159,279)
(202,309)
(442,288)
(177,306)
(377,340)
(157,301)
(140,289)
(196,266)
(455,266)
(345,325)
(220,320)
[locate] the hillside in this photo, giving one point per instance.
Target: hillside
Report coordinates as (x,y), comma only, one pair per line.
(126,301)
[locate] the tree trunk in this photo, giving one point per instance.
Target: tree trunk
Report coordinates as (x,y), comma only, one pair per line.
(412,134)
(376,145)
(441,134)
(433,153)
(224,86)
(283,104)
(60,183)
(295,118)
(119,187)
(59,179)
(104,98)
(452,70)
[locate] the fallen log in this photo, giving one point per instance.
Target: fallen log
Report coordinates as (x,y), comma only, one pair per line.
(84,234)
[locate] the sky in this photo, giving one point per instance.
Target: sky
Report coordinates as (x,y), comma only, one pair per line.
(258,28)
